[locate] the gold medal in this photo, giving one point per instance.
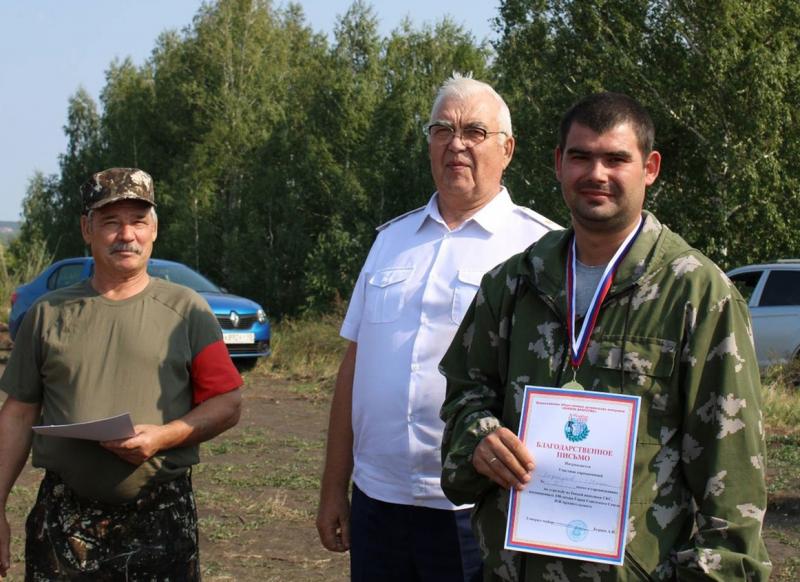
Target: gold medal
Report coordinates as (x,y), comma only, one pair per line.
(573,385)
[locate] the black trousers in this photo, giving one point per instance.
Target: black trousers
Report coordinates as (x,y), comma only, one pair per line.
(405,543)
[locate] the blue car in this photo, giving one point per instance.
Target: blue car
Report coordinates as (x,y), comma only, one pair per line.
(244,324)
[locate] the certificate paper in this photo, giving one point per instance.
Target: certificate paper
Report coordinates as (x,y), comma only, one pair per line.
(576,503)
(104,429)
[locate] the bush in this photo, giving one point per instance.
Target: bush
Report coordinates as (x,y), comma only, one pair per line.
(307,347)
(781,396)
(14,273)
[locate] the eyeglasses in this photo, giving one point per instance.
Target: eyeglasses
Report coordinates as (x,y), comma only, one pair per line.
(442,133)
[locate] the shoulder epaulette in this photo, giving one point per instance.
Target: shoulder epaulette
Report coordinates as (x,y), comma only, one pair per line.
(396,218)
(543,220)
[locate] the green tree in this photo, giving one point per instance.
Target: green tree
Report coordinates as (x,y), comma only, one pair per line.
(278,232)
(83,157)
(341,117)
(730,125)
(130,137)
(275,152)
(38,225)
(223,88)
(721,81)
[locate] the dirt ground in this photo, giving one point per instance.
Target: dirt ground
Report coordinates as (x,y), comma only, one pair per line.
(257,493)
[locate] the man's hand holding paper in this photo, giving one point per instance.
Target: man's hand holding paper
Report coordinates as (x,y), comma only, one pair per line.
(505,459)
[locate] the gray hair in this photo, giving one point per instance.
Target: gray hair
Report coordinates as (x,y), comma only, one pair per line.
(90,214)
(462,86)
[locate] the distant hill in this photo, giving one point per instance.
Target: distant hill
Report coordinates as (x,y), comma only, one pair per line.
(8,231)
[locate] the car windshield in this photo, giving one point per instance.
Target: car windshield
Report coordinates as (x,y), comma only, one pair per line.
(183,275)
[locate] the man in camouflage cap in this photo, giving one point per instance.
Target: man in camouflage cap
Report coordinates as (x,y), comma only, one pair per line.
(672,329)
(118,342)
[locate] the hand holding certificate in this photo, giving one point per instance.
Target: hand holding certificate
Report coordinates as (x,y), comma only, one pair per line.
(576,504)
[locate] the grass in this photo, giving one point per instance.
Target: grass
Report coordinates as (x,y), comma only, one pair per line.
(12,276)
(243,514)
(302,444)
(252,479)
(781,397)
(783,462)
(252,439)
(307,350)
(254,476)
(22,498)
(785,374)
(789,570)
(781,407)
(20,502)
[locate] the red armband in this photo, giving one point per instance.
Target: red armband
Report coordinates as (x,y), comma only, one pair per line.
(213,373)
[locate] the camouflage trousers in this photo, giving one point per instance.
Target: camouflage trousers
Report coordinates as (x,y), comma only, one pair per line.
(152,538)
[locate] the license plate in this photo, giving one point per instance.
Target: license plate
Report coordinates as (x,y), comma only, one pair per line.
(239,338)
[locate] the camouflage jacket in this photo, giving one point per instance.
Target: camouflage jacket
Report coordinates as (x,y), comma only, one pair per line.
(673,330)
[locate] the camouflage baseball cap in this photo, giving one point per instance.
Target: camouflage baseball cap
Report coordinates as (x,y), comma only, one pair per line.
(116,184)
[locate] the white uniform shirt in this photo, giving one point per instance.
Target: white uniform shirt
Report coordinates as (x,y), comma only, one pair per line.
(413,291)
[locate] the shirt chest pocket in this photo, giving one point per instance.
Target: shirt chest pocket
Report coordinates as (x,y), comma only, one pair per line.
(467,284)
(385,294)
(648,365)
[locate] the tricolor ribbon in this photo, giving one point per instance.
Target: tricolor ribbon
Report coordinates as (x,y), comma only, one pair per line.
(579,346)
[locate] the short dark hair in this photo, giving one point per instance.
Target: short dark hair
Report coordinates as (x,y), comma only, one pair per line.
(601,112)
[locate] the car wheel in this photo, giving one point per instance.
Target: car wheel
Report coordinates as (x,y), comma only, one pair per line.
(245,364)
(793,371)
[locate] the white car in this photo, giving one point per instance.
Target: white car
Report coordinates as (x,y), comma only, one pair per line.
(772,292)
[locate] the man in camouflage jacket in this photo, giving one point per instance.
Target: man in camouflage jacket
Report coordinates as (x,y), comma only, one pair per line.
(672,330)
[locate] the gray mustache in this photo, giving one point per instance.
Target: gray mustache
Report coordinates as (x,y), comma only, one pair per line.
(126,248)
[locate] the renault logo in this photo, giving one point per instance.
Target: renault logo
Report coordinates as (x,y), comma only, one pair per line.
(234,319)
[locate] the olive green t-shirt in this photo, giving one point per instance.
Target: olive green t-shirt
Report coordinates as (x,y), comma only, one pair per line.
(85,357)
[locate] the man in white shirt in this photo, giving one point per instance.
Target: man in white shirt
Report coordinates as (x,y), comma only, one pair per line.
(419,278)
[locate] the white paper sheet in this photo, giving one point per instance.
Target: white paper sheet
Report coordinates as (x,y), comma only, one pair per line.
(104,429)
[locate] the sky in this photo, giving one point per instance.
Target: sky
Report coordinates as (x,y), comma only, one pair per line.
(50,48)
